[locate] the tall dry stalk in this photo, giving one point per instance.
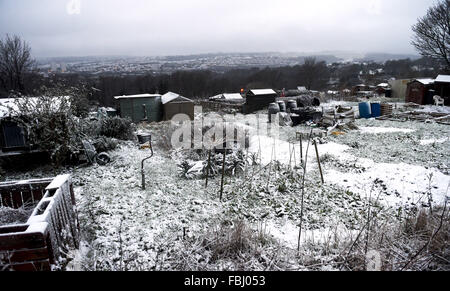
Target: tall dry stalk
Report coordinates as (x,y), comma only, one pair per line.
(303,192)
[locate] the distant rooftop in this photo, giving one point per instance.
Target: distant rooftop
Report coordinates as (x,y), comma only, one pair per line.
(138,96)
(383,85)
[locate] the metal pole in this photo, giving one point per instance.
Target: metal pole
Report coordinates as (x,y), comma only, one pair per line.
(207,169)
(318,161)
(142,165)
(223,173)
(301,147)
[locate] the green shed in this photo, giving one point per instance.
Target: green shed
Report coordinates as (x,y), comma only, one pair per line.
(143,107)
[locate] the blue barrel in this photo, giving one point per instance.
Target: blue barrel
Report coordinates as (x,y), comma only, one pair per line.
(376,109)
(364,110)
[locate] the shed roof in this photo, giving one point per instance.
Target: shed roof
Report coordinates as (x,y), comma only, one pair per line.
(383,85)
(137,96)
(443,79)
(232,96)
(170,96)
(425,81)
(263,92)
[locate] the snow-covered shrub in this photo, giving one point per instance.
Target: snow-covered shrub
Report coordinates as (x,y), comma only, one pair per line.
(234,165)
(49,123)
(117,127)
(105,144)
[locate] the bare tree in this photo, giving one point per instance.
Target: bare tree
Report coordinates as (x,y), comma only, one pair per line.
(432,33)
(313,73)
(15,61)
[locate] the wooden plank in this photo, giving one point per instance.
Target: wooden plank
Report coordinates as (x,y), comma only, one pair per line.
(13,228)
(26,196)
(16,197)
(21,241)
(38,194)
(36,266)
(30,255)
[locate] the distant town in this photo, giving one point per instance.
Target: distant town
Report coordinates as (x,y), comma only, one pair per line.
(221,62)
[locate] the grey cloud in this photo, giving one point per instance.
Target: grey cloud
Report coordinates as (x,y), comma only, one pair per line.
(157,27)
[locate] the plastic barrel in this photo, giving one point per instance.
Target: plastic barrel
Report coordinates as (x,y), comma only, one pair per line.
(282,106)
(365,110)
(292,104)
(144,138)
(274,108)
(376,109)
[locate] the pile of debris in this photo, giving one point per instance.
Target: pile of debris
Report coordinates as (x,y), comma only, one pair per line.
(295,110)
(421,116)
(337,116)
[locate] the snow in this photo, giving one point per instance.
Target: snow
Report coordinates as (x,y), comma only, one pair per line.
(9,104)
(263,92)
(426,81)
(228,96)
(387,161)
(434,109)
(433,141)
(383,85)
(58,181)
(232,96)
(376,130)
(168,97)
(404,183)
(137,96)
(40,227)
(443,78)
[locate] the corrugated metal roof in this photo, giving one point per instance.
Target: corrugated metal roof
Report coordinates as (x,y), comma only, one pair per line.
(137,96)
(443,79)
(263,91)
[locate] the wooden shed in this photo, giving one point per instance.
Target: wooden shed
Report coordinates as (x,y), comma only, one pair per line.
(174,104)
(259,99)
(420,91)
(442,87)
(143,107)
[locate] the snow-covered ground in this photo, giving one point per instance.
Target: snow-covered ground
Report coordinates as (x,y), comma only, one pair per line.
(125,227)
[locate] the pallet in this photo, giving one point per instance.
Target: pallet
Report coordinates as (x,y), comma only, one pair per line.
(52,229)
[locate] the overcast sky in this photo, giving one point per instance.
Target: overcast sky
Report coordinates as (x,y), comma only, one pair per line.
(167,27)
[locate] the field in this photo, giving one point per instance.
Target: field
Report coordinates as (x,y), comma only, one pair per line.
(382,204)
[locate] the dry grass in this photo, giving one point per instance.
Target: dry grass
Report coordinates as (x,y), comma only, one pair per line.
(15,216)
(418,242)
(227,248)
